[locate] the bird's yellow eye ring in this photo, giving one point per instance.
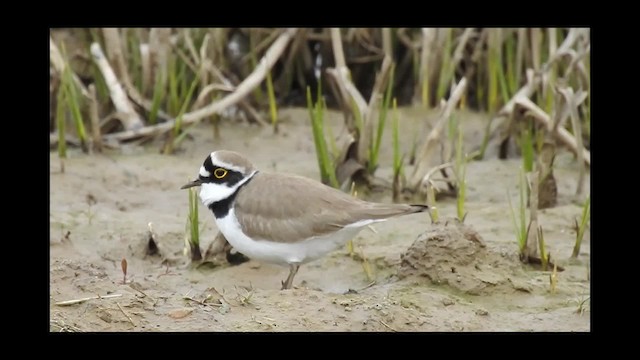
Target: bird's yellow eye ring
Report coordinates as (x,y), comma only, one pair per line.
(219,173)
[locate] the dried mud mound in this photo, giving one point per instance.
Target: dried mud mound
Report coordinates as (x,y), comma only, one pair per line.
(454,254)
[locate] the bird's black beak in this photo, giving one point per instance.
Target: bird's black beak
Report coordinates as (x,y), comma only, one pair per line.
(196,182)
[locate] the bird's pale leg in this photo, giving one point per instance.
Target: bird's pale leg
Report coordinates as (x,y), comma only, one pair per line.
(293,270)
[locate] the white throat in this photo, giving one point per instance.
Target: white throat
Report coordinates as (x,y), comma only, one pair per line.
(211,193)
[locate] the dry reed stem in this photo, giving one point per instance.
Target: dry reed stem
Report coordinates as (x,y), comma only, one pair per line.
(145,62)
(159,46)
(570,100)
(244,89)
(346,86)
(386,42)
(58,63)
(459,51)
(338,51)
(536,44)
(522,45)
(534,78)
(427,149)
(427,177)
(244,104)
(130,118)
(426,53)
(341,75)
(364,143)
(562,134)
(95,119)
(113,47)
(264,43)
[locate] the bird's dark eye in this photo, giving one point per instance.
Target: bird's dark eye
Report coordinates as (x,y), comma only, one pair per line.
(219,173)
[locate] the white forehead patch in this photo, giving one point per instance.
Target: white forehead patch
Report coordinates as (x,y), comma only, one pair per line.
(217,162)
(204,172)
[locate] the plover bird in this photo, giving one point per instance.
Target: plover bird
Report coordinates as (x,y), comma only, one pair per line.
(282,218)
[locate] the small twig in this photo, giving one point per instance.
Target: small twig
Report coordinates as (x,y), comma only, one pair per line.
(78,301)
(387,326)
(125,314)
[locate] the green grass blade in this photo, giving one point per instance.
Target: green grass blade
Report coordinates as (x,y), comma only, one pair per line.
(397,160)
(519,222)
(61,121)
(135,64)
(582,227)
(327,171)
(194,233)
(158,97)
(174,100)
(461,170)
(382,120)
(527,149)
(523,204)
(544,258)
(446,72)
(185,104)
(73,99)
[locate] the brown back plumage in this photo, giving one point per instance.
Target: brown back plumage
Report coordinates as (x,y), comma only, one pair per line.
(303,208)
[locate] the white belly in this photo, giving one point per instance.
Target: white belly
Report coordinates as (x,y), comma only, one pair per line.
(285,253)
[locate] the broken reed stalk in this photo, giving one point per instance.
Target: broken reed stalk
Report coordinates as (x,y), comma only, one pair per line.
(242,90)
(129,117)
(562,134)
(535,77)
(427,150)
(113,46)
(428,35)
(570,101)
(581,227)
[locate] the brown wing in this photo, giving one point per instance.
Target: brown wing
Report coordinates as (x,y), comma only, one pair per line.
(288,208)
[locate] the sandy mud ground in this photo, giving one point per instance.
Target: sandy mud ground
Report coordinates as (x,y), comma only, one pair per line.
(427,277)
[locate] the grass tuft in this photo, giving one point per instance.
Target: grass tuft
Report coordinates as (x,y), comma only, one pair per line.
(325,164)
(193,226)
(580,228)
(520,222)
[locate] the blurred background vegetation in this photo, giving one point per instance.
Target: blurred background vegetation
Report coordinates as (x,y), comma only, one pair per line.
(109,86)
